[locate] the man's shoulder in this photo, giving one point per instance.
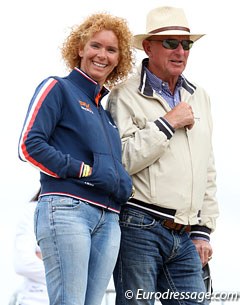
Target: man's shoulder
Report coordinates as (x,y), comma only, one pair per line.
(192,89)
(132,83)
(123,93)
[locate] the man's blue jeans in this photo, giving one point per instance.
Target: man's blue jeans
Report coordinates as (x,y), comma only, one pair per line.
(156,263)
(79,244)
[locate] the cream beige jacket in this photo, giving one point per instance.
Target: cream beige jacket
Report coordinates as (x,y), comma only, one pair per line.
(178,173)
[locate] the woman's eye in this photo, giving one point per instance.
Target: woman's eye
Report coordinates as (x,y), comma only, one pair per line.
(112,50)
(95,46)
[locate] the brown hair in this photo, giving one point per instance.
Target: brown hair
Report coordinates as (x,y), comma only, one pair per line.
(80,35)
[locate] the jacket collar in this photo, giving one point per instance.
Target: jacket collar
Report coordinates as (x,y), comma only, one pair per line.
(89,86)
(146,89)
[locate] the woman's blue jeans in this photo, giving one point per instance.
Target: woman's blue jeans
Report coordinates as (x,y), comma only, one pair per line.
(79,244)
(156,263)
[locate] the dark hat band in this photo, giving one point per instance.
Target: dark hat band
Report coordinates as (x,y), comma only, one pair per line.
(170,28)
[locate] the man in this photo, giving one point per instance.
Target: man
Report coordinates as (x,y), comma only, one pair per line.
(166,127)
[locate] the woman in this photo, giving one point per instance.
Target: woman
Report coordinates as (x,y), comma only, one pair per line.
(75,144)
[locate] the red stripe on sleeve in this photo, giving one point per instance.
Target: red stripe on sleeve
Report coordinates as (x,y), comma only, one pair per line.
(29,126)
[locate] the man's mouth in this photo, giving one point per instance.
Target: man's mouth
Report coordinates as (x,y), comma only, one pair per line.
(177,61)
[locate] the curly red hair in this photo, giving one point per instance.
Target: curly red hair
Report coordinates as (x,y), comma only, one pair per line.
(81,34)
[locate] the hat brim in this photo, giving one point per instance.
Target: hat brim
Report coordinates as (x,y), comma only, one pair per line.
(138,39)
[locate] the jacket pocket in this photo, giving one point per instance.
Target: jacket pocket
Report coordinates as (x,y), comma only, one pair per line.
(104,174)
(124,186)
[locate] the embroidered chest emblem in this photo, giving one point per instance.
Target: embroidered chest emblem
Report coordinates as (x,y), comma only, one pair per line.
(85,106)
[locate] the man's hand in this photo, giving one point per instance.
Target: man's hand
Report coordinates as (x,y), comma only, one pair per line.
(181,116)
(204,250)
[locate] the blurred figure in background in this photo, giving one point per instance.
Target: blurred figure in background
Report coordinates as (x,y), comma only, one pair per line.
(28,262)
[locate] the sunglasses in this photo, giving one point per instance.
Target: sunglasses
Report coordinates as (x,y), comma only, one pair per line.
(172,44)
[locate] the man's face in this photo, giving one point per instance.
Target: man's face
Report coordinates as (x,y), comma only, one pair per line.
(163,62)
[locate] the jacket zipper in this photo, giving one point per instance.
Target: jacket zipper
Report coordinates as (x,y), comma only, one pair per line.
(108,140)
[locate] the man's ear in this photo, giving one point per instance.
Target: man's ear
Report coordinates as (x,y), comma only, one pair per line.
(146,46)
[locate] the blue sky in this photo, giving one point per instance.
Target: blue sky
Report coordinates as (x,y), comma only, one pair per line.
(31,34)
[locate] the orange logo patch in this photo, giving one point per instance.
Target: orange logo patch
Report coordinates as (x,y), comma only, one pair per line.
(85,106)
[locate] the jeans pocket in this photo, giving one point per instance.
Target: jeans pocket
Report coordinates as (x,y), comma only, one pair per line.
(65,203)
(136,219)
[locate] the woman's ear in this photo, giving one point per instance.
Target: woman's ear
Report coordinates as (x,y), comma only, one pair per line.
(80,53)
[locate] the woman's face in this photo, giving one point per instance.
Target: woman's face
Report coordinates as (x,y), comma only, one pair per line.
(100,55)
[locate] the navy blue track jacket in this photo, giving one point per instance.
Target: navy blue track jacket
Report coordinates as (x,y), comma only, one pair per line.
(66,127)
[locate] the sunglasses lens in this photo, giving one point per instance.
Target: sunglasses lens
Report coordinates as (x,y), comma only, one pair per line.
(187,44)
(170,43)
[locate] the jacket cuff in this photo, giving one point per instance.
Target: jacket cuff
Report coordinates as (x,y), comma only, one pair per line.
(200,232)
(165,127)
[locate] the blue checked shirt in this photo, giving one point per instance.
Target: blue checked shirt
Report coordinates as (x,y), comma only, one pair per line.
(162,88)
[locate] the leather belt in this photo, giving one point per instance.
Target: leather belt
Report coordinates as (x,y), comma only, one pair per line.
(178,227)
(165,222)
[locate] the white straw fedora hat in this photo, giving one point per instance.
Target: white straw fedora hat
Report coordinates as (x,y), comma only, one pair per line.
(165,20)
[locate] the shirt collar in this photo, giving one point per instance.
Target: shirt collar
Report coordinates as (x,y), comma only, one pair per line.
(159,86)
